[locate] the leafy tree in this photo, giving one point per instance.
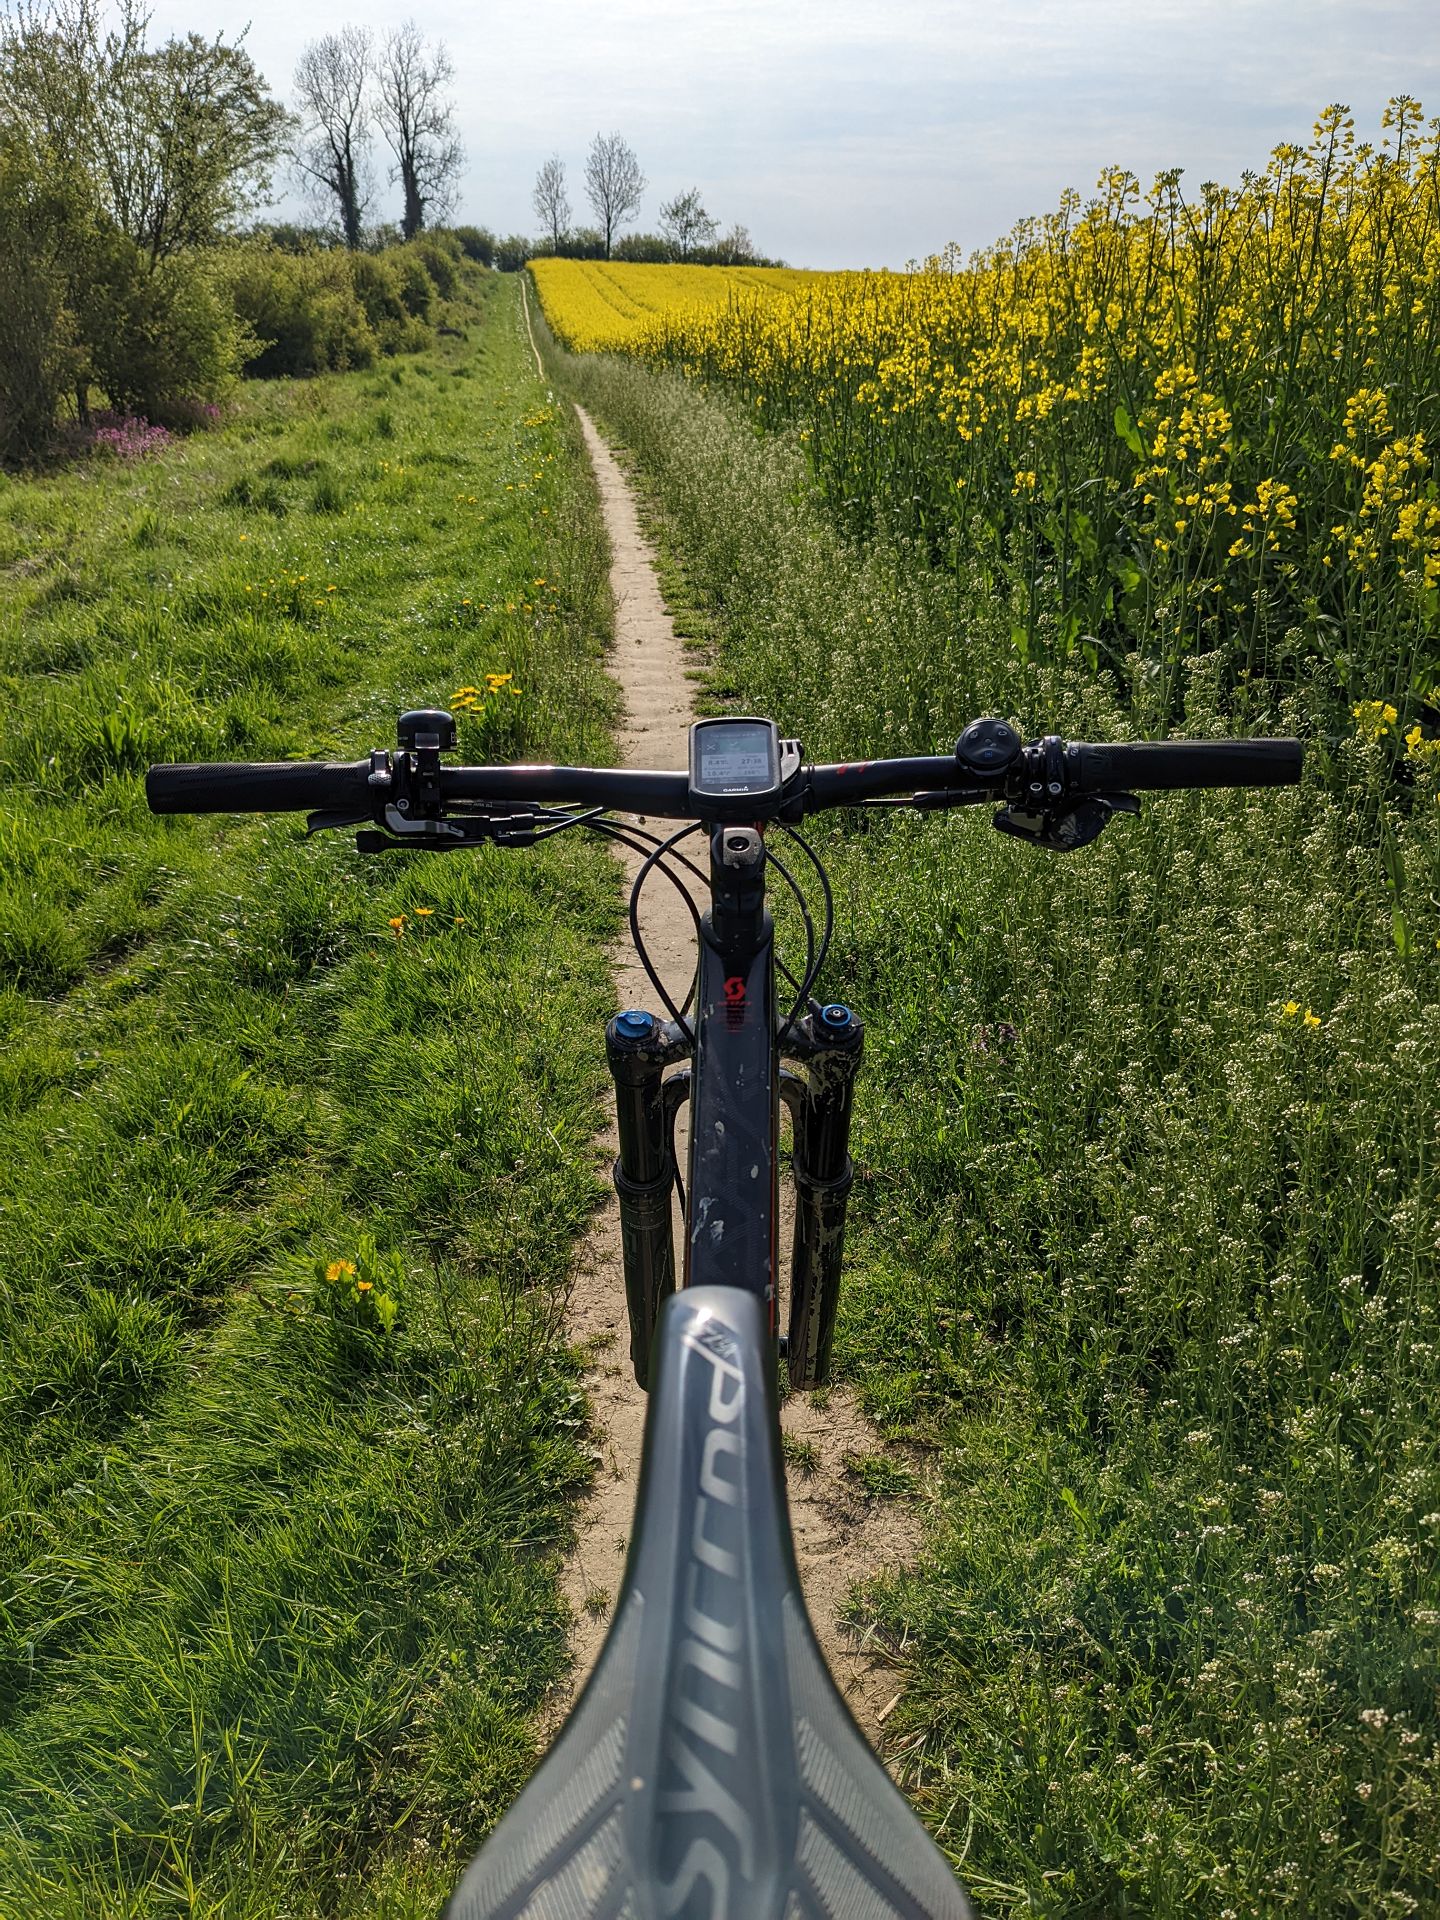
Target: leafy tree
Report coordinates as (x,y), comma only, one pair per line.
(161,339)
(550,200)
(647,248)
(333,82)
(511,253)
(49,80)
(189,143)
(177,140)
(685,223)
(46,226)
(582,243)
(613,182)
(476,243)
(419,124)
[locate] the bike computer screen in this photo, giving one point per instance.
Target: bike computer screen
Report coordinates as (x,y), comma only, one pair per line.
(735,762)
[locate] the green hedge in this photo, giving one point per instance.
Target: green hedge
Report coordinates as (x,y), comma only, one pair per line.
(326,312)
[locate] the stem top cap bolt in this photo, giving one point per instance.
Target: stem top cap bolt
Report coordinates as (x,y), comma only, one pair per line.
(635,1024)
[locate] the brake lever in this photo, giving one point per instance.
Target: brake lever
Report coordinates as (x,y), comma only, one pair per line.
(1063,829)
(322,822)
(447,835)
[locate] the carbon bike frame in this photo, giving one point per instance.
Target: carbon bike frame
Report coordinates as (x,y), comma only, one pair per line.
(735,1082)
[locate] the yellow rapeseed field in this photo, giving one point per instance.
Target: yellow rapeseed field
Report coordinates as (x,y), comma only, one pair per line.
(605,306)
(1168,421)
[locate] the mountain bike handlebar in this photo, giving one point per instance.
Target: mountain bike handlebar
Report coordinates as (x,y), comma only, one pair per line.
(1044,773)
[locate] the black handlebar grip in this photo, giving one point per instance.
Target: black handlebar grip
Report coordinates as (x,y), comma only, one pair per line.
(283,786)
(1188,763)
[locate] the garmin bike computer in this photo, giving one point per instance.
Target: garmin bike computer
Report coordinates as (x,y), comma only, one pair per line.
(734,767)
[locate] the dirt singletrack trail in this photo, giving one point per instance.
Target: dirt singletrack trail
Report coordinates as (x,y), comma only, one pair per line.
(840,1536)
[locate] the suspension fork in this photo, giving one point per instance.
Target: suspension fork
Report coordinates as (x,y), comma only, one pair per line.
(638,1049)
(828,1043)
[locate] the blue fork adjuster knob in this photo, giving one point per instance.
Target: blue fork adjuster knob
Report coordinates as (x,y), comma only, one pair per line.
(635,1025)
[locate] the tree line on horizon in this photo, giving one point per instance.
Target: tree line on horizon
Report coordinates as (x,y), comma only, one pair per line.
(615,188)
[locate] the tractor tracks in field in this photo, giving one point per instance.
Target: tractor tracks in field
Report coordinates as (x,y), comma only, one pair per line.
(841,1535)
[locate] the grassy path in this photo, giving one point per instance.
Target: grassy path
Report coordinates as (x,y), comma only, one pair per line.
(276,1577)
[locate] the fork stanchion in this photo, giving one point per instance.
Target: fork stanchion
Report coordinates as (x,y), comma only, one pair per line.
(638,1049)
(828,1043)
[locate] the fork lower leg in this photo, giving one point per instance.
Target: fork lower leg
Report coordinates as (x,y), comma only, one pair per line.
(829,1044)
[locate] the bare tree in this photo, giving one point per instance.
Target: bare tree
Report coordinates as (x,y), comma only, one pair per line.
(419,124)
(613,182)
(685,223)
(550,200)
(333,82)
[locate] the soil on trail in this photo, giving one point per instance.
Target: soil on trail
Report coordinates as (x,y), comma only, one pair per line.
(840,1536)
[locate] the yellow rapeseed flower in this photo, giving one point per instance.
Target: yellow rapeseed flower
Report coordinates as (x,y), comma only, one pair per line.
(1373,719)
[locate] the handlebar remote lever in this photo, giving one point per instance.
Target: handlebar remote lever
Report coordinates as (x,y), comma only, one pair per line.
(1065,828)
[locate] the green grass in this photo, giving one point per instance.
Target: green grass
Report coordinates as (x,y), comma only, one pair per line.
(277,1586)
(1149,1254)
(879,1476)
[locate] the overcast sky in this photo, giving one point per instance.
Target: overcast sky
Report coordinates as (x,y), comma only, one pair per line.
(845,134)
